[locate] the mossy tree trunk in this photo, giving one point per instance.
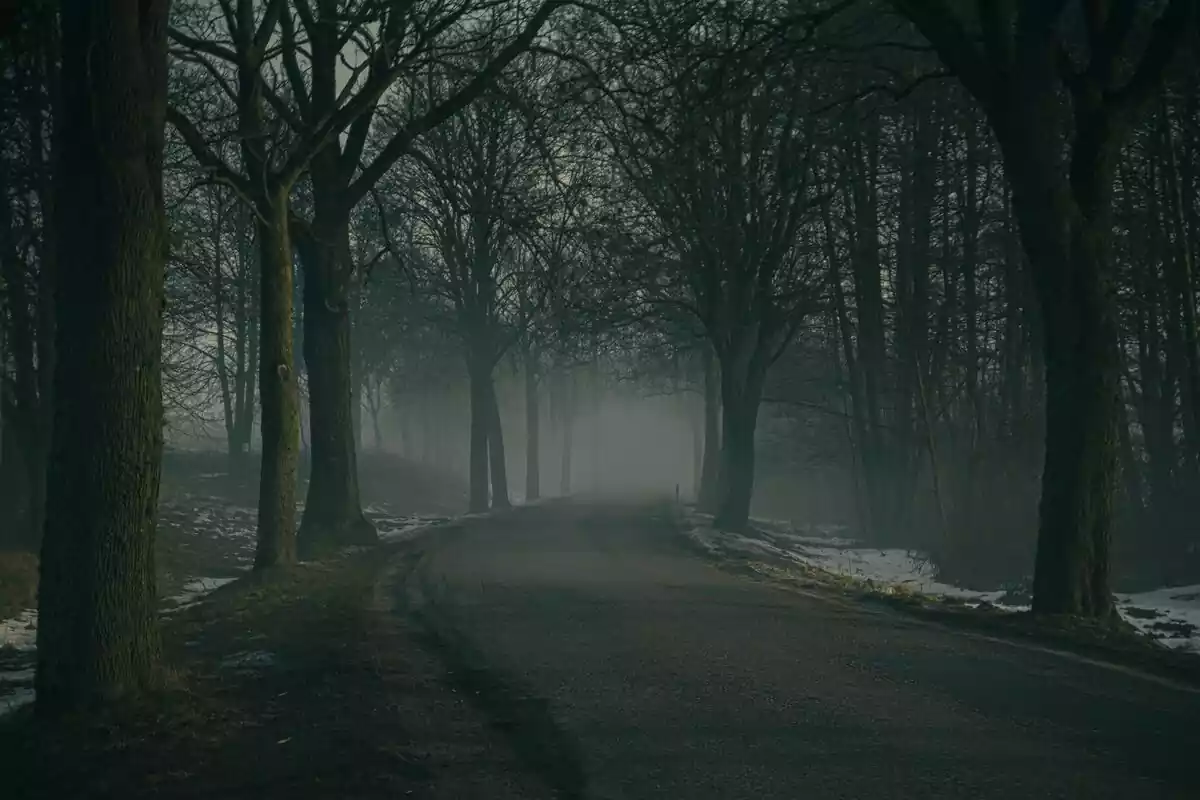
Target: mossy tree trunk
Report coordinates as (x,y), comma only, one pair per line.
(533,423)
(742,376)
(480,377)
(497,462)
(710,464)
(97,634)
(278,390)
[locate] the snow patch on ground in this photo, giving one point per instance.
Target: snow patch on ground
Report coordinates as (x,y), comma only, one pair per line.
(193,591)
(1169,615)
(398,529)
(18,640)
(18,643)
(20,632)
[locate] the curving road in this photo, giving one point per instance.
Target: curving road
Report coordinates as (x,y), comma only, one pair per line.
(625,667)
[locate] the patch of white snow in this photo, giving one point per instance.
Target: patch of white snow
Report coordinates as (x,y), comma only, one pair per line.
(20,632)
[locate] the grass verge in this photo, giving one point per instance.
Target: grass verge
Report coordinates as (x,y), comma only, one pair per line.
(294,685)
(1116,642)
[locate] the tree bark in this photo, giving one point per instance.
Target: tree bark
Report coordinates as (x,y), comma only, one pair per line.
(1082,411)
(278,390)
(97,637)
(246,313)
(496,458)
(710,468)
(533,423)
(739,420)
(333,514)
(1065,230)
(480,377)
(567,420)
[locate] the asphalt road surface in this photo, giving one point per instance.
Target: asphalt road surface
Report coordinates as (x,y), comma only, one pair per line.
(626,667)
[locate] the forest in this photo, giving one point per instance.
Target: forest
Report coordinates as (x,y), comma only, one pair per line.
(921,268)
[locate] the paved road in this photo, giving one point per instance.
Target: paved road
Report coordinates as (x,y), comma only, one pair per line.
(666,678)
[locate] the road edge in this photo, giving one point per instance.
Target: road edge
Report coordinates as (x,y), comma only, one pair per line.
(1102,646)
(544,747)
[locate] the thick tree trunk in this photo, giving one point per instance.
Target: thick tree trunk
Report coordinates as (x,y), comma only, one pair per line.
(278,391)
(480,377)
(533,423)
(333,514)
(496,458)
(739,420)
(710,468)
(741,395)
(1082,413)
(97,637)
(1065,232)
(248,315)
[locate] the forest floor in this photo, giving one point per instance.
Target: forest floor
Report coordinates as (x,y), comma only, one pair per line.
(206,539)
(1158,630)
(299,684)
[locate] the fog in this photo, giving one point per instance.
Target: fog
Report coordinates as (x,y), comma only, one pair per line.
(622,440)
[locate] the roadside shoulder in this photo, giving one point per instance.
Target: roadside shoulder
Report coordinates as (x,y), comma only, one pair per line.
(1116,643)
(295,684)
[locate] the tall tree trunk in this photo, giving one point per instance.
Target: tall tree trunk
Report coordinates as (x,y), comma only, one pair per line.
(710,469)
(868,304)
(1064,228)
(480,376)
(533,423)
(912,277)
(739,420)
(971,223)
(567,420)
(333,514)
(497,462)
(860,441)
(1016,339)
(1082,413)
(278,390)
(97,637)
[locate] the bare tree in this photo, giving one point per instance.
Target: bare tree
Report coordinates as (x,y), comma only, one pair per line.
(1061,95)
